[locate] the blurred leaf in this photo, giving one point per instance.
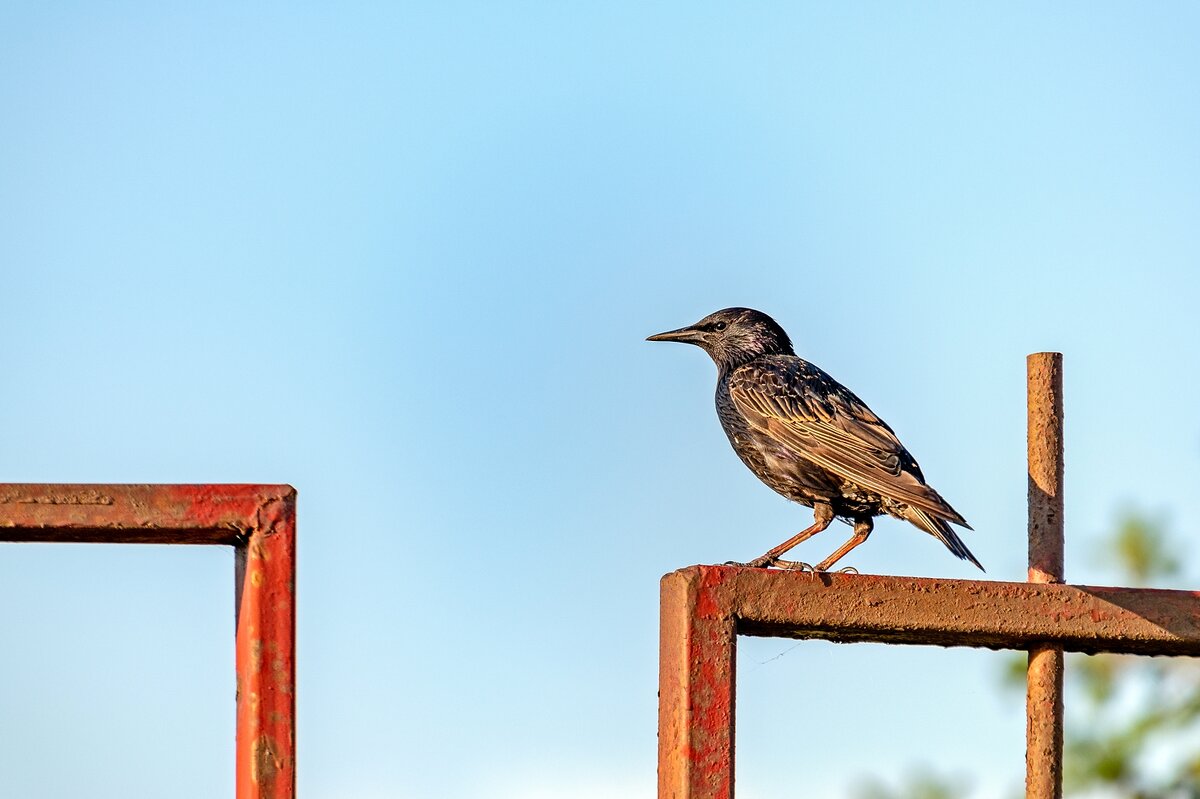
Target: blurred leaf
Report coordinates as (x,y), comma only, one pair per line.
(1128,709)
(1012,675)
(1096,674)
(1140,549)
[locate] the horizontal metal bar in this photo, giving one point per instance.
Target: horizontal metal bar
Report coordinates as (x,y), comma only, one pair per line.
(978,613)
(136,514)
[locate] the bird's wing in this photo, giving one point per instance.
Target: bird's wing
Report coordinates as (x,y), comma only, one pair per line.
(799,405)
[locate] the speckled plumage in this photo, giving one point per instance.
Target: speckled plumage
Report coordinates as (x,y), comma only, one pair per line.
(810,438)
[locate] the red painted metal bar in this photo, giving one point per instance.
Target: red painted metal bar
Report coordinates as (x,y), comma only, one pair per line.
(697,659)
(259,521)
(1044,674)
(266,656)
(132,514)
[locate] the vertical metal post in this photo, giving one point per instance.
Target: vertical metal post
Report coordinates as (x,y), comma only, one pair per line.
(266,654)
(1044,677)
(697,653)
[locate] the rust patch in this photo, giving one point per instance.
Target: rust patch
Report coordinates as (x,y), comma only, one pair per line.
(83,497)
(265,766)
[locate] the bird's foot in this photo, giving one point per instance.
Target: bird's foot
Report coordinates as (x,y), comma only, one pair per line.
(785,565)
(759,563)
(847,570)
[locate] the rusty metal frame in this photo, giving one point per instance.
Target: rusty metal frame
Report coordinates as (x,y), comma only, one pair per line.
(705,608)
(259,522)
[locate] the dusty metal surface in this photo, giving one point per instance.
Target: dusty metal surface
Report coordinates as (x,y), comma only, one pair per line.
(1045,448)
(1044,674)
(259,521)
(921,610)
(1044,723)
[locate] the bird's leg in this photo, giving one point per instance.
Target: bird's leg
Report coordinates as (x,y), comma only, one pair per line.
(822,518)
(862,529)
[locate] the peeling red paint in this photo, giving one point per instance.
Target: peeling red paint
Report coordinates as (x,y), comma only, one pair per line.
(706,604)
(266,626)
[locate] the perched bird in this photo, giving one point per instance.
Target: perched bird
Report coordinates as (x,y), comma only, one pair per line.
(810,438)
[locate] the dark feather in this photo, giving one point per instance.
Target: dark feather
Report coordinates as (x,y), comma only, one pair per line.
(799,405)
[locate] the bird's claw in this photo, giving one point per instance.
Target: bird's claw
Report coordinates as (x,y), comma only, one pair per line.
(848,570)
(758,563)
(786,565)
(767,563)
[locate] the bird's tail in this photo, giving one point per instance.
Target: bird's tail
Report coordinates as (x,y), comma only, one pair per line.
(941,530)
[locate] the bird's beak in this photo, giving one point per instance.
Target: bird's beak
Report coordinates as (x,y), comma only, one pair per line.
(687,335)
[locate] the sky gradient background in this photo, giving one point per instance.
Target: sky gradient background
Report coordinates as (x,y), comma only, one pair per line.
(404,258)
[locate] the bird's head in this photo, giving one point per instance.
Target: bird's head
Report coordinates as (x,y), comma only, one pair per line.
(733,336)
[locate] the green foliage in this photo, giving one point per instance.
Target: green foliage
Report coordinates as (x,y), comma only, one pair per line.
(1139,549)
(1124,713)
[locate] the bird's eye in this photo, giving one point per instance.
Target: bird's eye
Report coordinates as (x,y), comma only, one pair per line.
(719,326)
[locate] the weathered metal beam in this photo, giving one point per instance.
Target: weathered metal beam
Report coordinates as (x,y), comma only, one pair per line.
(266,655)
(705,608)
(259,521)
(133,514)
(916,610)
(697,659)
(1044,673)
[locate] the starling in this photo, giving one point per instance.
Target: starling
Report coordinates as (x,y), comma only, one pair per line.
(810,438)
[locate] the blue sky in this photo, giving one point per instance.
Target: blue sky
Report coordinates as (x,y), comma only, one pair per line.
(403,258)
